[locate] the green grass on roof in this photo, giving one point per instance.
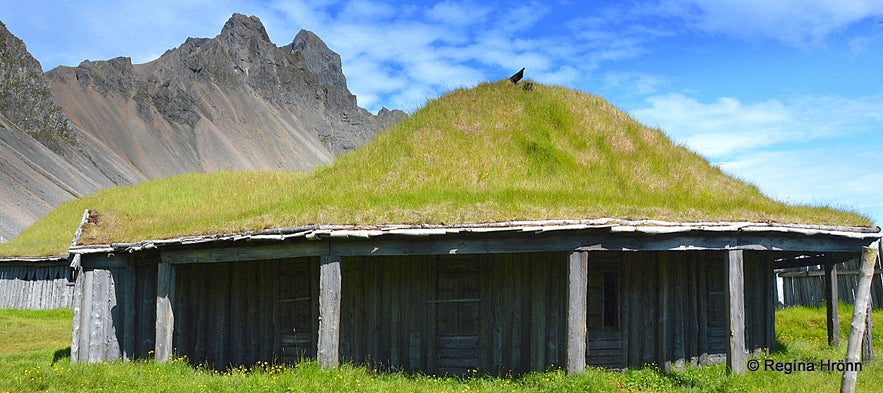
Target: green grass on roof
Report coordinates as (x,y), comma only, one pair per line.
(494,152)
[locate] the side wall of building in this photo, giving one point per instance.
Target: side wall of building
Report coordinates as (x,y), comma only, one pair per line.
(35,286)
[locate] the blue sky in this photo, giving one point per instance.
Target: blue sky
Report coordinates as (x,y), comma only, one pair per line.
(785,94)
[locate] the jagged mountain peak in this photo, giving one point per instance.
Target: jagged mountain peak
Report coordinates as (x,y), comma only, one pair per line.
(240,27)
(318,58)
(25,98)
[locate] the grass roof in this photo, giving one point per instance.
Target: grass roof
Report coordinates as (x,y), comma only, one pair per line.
(494,152)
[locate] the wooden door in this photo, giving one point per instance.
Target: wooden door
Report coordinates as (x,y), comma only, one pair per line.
(295,306)
(457,316)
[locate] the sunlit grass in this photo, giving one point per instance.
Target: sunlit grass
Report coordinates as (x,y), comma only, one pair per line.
(42,366)
(491,153)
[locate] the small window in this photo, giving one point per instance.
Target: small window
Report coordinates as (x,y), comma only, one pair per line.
(611,300)
(603,297)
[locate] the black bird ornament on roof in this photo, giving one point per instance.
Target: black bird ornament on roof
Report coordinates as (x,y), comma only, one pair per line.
(517,76)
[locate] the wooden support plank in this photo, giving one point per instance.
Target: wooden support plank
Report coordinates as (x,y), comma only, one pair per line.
(128,282)
(664,332)
(577,276)
(702,307)
(78,316)
(165,316)
(692,349)
(858,324)
(329,311)
(831,301)
(314,305)
(735,300)
(679,323)
(537,317)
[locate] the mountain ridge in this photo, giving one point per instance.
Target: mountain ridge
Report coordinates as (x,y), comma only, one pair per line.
(232,102)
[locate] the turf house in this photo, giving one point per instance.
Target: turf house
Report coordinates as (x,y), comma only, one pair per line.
(496,229)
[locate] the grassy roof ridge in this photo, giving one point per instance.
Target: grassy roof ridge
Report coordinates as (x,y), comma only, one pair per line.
(494,152)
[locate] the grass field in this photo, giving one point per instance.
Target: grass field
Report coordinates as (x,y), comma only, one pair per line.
(34,348)
(486,154)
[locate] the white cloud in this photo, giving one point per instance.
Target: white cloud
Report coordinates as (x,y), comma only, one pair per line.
(840,177)
(799,23)
(806,149)
(728,126)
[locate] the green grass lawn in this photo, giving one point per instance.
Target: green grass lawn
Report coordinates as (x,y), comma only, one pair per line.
(34,344)
(490,153)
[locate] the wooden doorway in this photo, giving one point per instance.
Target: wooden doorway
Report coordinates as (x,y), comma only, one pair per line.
(457,309)
(297,312)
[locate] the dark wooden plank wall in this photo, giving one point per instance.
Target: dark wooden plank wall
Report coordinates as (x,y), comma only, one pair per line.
(390,312)
(230,314)
(35,287)
(672,309)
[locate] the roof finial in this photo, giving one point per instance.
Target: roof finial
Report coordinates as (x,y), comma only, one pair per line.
(517,76)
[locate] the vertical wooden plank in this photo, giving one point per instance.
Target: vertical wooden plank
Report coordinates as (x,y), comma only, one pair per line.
(637,287)
(414,298)
(79,314)
(523,279)
(222,308)
(314,304)
(702,309)
(680,280)
(430,277)
(627,286)
(537,316)
(831,302)
(398,332)
(858,324)
(497,304)
(98,317)
(129,313)
(486,334)
(664,331)
(735,300)
(577,276)
(165,317)
(512,336)
(692,349)
(329,310)
(237,314)
(556,277)
(200,299)
(772,301)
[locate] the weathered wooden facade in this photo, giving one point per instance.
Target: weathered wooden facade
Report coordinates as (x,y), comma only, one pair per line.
(494,298)
(35,283)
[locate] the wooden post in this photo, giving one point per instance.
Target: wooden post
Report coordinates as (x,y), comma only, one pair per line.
(165,316)
(329,311)
(831,302)
(577,276)
(858,323)
(735,299)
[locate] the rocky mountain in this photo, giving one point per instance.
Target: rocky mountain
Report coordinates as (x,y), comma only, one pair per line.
(236,101)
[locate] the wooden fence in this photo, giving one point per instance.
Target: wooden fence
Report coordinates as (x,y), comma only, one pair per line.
(805,286)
